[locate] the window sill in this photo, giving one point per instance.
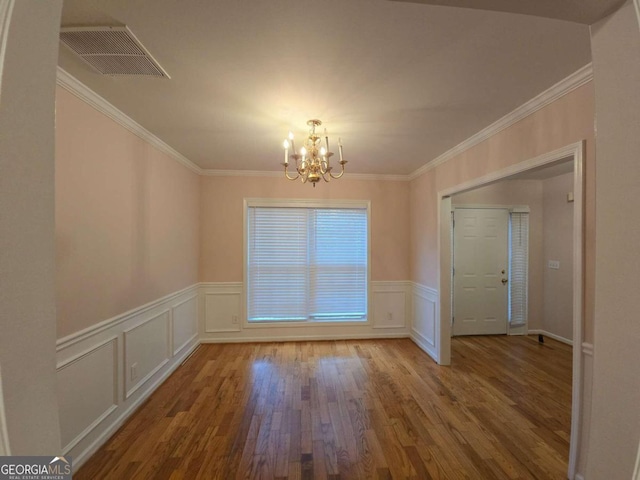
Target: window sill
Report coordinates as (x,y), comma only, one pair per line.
(308,323)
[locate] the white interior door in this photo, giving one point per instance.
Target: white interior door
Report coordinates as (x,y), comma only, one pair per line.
(481,263)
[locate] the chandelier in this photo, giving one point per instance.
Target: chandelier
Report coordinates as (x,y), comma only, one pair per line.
(313,161)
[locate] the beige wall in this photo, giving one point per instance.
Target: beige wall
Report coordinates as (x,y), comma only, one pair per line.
(519,192)
(27,267)
(222,230)
(127,218)
(615,419)
(568,120)
(558,245)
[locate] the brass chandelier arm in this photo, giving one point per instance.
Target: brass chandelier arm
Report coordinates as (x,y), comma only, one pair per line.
(342,162)
(286,172)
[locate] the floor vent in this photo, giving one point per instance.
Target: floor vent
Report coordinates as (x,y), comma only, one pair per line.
(111,51)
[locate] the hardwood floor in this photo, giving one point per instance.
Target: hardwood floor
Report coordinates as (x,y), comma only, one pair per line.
(352,409)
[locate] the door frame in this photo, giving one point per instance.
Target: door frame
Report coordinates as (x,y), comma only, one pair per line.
(574,152)
(6,8)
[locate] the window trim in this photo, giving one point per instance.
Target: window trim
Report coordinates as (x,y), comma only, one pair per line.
(302,203)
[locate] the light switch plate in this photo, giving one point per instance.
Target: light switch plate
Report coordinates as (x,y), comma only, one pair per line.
(555,264)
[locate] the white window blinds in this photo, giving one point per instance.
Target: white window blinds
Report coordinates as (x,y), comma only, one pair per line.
(306,264)
(518,266)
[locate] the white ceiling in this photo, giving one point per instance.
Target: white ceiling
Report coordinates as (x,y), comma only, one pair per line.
(581,11)
(401,83)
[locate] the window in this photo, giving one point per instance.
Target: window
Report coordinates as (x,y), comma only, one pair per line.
(306,262)
(518,268)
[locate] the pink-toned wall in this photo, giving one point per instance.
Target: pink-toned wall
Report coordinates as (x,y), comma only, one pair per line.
(222,230)
(558,245)
(568,120)
(127,218)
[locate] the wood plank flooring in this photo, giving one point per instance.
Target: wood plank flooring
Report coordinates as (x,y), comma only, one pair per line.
(352,409)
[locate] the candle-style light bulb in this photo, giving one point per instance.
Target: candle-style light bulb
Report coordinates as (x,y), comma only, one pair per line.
(293,145)
(340,147)
(326,139)
(303,163)
(285,144)
(323,151)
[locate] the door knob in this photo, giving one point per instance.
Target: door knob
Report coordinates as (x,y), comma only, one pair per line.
(504,281)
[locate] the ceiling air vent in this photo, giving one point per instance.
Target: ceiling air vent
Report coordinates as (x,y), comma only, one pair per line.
(111,51)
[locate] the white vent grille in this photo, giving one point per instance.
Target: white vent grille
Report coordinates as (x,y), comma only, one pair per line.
(111,51)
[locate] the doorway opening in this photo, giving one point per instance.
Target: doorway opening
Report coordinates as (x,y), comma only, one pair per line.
(575,154)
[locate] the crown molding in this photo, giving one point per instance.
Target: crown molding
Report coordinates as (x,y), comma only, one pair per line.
(563,87)
(80,90)
(560,89)
(272,173)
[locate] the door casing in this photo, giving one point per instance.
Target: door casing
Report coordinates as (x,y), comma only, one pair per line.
(574,152)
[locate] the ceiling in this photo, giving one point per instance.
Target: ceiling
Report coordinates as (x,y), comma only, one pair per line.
(581,11)
(399,82)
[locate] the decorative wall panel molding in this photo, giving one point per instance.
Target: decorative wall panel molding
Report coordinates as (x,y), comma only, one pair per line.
(105,372)
(146,350)
(96,392)
(221,303)
(222,306)
(185,323)
(96,371)
(391,304)
(423,324)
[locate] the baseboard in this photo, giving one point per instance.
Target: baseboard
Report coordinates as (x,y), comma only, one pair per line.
(551,335)
(303,338)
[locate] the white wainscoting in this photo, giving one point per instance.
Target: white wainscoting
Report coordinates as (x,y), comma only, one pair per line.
(223,317)
(424,330)
(106,371)
(391,305)
(97,387)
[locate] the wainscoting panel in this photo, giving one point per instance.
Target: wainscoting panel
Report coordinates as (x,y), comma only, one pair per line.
(391,304)
(423,325)
(146,350)
(96,371)
(221,302)
(222,307)
(185,323)
(96,392)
